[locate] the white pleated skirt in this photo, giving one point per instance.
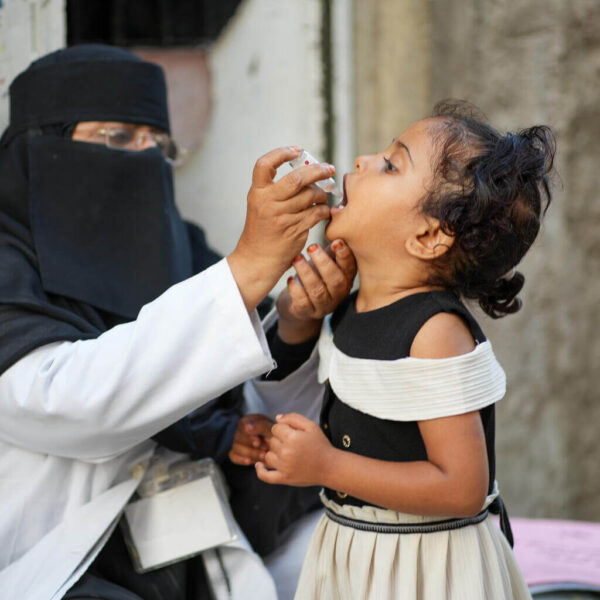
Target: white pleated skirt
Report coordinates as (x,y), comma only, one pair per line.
(471,563)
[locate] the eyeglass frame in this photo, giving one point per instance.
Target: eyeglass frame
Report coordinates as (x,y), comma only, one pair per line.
(170,152)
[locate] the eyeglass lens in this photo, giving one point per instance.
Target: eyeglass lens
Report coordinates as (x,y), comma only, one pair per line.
(130,139)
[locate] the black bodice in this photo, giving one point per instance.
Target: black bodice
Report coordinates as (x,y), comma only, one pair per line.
(387,333)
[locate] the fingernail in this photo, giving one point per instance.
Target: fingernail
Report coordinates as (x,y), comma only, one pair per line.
(295,148)
(313,247)
(290,279)
(337,246)
(330,168)
(279,417)
(299,258)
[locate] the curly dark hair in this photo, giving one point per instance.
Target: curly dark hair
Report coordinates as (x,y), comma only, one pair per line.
(490,192)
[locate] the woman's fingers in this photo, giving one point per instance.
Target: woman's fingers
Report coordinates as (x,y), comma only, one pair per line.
(266,166)
(299,299)
(241,436)
(309,218)
(241,454)
(336,271)
(292,183)
(304,199)
(257,425)
(344,259)
(249,440)
(324,280)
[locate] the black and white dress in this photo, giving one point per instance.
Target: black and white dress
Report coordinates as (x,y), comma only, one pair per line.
(375,395)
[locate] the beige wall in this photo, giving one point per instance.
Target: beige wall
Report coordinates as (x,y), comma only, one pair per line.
(266,80)
(393,68)
(523,62)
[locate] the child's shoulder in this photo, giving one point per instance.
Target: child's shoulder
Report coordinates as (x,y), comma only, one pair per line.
(443,335)
(449,329)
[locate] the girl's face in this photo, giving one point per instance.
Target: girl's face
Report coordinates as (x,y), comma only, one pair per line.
(380,209)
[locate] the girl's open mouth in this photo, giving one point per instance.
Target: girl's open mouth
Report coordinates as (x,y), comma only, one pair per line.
(343,202)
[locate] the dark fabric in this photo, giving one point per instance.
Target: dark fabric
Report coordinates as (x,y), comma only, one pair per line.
(113,237)
(287,356)
(497,507)
(88,234)
(87,83)
(264,511)
(91,587)
(185,580)
(387,334)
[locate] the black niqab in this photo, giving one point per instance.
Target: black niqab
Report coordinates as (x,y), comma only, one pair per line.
(88,234)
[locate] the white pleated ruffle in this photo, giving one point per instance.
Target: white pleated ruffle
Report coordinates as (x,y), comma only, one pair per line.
(472,563)
(412,389)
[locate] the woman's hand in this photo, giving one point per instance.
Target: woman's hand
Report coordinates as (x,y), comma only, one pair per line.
(299,453)
(250,439)
(279,215)
(320,285)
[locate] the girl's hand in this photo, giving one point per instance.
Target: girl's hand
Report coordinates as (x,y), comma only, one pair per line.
(299,453)
(250,439)
(278,217)
(320,285)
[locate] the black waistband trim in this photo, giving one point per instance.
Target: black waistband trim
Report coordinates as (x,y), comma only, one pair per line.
(430,527)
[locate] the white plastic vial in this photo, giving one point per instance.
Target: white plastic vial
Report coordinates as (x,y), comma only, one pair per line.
(304,159)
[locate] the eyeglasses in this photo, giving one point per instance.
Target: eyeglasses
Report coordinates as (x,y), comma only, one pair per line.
(130,138)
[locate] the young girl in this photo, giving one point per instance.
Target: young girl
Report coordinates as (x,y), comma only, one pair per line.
(405,451)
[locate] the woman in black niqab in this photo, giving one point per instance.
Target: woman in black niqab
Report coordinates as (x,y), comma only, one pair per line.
(88,234)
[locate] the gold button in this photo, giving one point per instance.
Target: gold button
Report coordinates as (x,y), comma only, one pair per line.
(346,441)
(325,426)
(342,494)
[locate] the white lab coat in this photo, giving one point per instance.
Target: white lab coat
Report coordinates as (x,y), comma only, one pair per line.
(76,419)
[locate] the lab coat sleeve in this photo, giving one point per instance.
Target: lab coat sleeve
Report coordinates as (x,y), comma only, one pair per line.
(93,399)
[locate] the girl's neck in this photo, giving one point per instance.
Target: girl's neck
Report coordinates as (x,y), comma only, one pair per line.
(383,288)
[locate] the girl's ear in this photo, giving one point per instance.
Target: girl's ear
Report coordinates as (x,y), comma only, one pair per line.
(429,241)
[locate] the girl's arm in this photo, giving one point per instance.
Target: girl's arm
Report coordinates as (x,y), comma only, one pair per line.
(452,482)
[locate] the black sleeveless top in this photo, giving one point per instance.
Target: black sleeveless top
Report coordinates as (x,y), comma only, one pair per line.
(387,333)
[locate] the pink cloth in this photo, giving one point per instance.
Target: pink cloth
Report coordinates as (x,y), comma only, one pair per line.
(553,551)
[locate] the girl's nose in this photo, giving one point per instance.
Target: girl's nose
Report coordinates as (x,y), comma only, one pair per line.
(360,163)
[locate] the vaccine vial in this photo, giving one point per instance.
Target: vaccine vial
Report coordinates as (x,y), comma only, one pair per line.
(305,159)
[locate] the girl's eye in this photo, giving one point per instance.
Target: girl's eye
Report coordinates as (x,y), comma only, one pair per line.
(388,164)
